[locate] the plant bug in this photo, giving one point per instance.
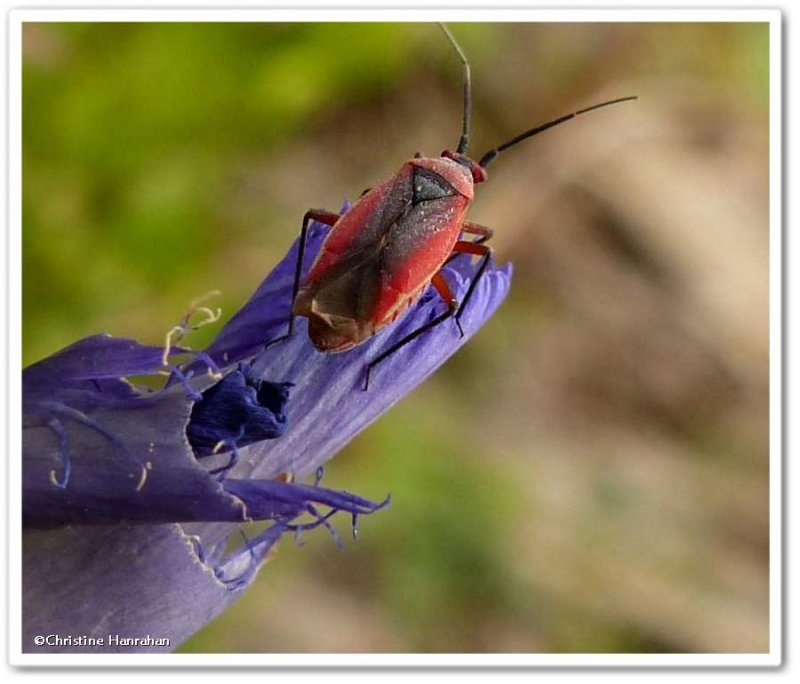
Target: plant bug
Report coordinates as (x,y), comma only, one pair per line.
(382,253)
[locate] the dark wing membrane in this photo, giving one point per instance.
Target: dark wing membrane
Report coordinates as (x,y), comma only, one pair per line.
(350,288)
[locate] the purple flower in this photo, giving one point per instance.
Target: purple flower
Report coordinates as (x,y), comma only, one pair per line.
(131,496)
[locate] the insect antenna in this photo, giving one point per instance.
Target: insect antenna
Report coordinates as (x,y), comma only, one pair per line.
(463,142)
(491,154)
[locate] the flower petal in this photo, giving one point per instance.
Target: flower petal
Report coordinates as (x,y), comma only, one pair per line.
(103,581)
(130,460)
(237,411)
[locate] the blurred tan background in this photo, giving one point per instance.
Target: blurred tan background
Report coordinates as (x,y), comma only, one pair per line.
(590,474)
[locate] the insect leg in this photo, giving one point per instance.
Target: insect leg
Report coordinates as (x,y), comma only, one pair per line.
(484,232)
(323,216)
(441,286)
(478,249)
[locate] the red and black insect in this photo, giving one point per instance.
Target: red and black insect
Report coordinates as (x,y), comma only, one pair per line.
(381,254)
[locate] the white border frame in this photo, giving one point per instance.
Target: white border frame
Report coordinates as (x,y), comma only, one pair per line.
(14,27)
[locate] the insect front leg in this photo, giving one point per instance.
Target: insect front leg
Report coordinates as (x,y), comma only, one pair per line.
(322,216)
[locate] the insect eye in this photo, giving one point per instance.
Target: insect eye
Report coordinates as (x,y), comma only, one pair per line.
(430,186)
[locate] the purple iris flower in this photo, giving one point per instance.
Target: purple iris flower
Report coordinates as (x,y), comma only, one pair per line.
(132,496)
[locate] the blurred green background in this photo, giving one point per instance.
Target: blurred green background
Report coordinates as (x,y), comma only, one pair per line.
(590,474)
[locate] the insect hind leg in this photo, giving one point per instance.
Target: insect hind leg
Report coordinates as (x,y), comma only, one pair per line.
(321,216)
(441,286)
(443,289)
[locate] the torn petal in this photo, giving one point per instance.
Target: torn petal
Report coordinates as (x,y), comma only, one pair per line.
(238,410)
